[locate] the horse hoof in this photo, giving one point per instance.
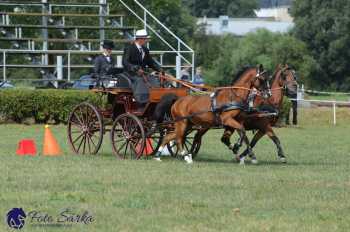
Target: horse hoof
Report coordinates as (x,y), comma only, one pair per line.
(241,161)
(283,159)
(254,161)
(188,159)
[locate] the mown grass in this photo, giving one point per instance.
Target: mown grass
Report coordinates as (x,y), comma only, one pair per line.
(310,193)
(336,97)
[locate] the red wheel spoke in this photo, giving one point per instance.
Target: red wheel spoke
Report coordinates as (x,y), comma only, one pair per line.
(82,116)
(121,147)
(81,123)
(81,142)
(88,142)
(92,141)
(84,144)
(76,139)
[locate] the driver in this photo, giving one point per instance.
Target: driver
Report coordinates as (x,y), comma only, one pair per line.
(136,59)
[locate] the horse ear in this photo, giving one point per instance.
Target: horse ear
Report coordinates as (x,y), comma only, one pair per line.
(260,67)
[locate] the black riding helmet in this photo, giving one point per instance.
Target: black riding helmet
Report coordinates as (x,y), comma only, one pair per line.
(108,44)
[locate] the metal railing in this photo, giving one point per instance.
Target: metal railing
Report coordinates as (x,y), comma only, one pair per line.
(183,53)
(68,65)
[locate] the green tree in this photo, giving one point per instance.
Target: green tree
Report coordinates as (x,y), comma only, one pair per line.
(262,47)
(215,8)
(324,26)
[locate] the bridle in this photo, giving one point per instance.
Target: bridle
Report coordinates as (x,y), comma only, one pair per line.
(286,83)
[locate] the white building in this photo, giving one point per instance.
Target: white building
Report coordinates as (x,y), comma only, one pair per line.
(272,19)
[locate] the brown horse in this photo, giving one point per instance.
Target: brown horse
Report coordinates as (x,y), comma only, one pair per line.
(284,83)
(207,111)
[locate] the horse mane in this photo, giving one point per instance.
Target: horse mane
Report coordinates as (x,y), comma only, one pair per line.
(239,73)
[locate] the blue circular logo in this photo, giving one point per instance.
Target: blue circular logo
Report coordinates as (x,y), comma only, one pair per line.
(16,218)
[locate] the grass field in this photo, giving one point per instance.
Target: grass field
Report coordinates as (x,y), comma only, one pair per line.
(310,193)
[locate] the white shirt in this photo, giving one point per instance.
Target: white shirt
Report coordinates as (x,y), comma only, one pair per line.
(107,57)
(141,50)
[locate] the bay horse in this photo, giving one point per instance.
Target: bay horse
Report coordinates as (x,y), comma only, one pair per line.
(284,83)
(207,111)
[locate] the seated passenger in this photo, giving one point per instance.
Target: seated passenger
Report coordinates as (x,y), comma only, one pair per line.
(136,59)
(104,64)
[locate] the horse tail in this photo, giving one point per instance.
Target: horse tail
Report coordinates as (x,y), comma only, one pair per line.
(164,107)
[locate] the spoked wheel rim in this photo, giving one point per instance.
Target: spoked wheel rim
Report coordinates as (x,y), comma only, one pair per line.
(191,144)
(85,129)
(128,137)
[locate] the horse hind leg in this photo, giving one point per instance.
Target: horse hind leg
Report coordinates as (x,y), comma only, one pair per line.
(180,129)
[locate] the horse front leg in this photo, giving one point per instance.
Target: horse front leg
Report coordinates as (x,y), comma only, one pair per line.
(226,139)
(277,142)
(226,136)
(258,135)
(169,137)
(228,121)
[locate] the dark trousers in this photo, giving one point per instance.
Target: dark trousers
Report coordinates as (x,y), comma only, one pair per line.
(295,113)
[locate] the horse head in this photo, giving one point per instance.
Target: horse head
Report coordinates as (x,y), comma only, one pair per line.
(262,79)
(252,77)
(288,80)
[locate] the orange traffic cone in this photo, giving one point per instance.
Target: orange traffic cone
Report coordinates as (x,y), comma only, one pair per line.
(50,145)
(148,147)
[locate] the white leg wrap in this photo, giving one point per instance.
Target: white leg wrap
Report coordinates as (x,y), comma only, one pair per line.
(160,149)
(188,158)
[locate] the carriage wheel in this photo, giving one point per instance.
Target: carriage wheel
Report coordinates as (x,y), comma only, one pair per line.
(128,137)
(191,144)
(85,129)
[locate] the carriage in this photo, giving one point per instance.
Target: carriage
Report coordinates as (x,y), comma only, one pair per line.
(134,133)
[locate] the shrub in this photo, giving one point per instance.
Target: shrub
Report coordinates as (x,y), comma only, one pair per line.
(42,105)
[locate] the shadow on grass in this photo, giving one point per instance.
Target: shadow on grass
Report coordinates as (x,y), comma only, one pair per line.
(265,162)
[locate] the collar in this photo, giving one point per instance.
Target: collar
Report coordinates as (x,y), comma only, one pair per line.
(138,46)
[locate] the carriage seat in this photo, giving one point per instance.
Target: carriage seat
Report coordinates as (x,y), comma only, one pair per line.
(123,80)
